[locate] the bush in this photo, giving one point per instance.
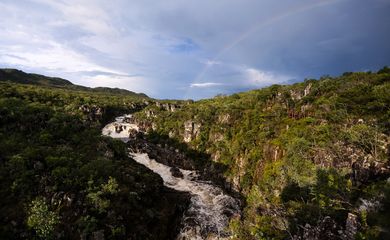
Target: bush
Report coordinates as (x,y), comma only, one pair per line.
(41,219)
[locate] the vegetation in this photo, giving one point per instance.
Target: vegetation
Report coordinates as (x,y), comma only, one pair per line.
(302,155)
(60,179)
(17,76)
(308,158)
(41,219)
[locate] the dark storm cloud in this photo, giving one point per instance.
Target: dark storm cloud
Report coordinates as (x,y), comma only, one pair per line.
(194,49)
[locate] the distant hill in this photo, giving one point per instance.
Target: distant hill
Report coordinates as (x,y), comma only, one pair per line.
(15,75)
(18,76)
(117,91)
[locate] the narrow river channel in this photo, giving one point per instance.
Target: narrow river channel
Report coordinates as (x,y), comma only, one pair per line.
(210,209)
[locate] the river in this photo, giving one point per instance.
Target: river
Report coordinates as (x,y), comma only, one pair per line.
(210,209)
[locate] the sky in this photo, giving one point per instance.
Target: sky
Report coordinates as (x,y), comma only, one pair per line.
(185,49)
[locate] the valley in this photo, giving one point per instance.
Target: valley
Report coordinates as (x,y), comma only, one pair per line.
(299,161)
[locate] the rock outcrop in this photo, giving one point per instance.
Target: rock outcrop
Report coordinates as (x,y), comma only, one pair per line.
(191,130)
(170,107)
(92,112)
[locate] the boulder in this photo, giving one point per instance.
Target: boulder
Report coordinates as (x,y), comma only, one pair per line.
(176,172)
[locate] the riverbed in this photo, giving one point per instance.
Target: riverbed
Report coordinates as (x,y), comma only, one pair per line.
(210,209)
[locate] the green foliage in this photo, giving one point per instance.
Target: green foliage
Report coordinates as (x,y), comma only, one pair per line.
(52,151)
(289,149)
(366,138)
(41,219)
(385,69)
(99,196)
(17,76)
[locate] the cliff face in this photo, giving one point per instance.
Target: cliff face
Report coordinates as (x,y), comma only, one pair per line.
(191,130)
(308,153)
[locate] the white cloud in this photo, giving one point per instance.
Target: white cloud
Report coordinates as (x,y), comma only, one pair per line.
(261,78)
(205,85)
(86,14)
(54,57)
(138,84)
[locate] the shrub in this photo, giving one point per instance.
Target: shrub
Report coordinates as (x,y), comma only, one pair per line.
(41,219)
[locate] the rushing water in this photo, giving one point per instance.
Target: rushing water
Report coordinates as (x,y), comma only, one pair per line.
(210,209)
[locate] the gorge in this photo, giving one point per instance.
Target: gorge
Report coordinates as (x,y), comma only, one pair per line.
(210,210)
(302,161)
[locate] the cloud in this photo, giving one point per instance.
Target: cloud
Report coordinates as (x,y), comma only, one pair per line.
(167,46)
(54,58)
(205,85)
(88,15)
(133,83)
(261,78)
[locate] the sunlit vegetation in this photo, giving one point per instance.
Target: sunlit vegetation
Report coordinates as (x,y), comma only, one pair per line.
(299,154)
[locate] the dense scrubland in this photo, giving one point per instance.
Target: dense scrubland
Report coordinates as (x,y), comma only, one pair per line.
(310,160)
(60,179)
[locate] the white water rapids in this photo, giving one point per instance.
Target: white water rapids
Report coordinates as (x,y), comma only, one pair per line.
(210,209)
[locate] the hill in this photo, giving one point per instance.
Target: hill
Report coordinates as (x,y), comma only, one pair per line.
(60,179)
(18,76)
(311,159)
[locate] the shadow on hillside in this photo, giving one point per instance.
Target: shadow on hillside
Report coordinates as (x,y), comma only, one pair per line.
(173,153)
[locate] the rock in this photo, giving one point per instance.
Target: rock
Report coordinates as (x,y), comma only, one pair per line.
(191,130)
(351,226)
(69,198)
(216,137)
(176,172)
(173,108)
(305,108)
(133,133)
(326,228)
(171,134)
(307,90)
(364,171)
(128,119)
(216,156)
(170,107)
(118,128)
(93,112)
(224,118)
(295,95)
(150,113)
(154,126)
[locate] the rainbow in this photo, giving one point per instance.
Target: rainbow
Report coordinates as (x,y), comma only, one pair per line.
(261,24)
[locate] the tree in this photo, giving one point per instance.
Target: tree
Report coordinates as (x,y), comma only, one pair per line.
(41,219)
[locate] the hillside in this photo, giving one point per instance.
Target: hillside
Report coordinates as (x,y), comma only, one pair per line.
(18,76)
(60,179)
(311,159)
